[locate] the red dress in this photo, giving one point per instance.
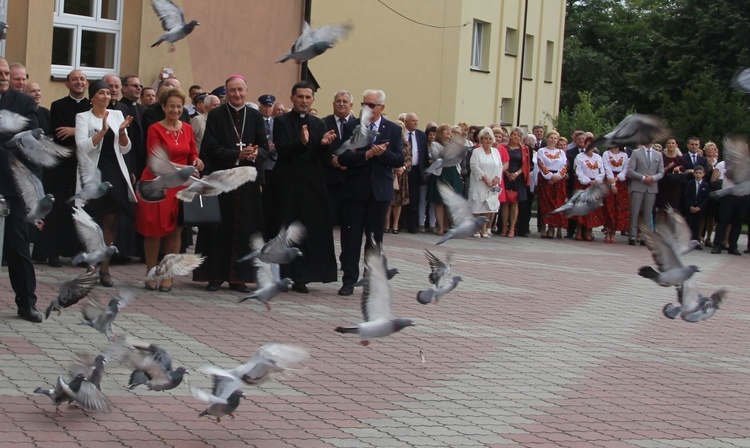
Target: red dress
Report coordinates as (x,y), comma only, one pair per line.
(159,219)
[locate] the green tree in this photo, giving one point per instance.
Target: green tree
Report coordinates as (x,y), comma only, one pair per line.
(584,115)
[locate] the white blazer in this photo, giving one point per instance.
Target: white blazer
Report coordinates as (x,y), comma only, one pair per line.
(87,124)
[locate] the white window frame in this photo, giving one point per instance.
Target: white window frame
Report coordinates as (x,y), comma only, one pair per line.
(4,18)
(549,63)
(477,45)
(97,24)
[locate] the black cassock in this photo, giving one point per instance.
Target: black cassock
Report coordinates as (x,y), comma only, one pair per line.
(241,209)
(299,194)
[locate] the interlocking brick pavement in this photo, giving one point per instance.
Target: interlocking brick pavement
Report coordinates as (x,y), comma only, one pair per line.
(545,343)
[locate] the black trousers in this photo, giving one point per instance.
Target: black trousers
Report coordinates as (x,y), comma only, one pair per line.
(16,250)
(361,218)
(732,210)
(412,209)
(334,200)
(523,225)
(694,222)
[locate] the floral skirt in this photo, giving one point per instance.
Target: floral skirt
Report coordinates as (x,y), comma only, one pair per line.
(593,219)
(550,197)
(617,208)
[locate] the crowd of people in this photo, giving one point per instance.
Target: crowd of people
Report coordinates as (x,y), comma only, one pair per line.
(383,187)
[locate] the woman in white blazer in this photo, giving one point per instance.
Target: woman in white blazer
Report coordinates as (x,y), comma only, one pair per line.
(101,141)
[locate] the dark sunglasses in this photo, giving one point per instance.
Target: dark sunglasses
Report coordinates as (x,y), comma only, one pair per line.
(370,105)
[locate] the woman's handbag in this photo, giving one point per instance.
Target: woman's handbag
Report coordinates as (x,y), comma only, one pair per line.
(201,211)
(511,196)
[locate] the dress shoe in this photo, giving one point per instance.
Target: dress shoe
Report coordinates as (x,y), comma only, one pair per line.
(213,286)
(716,249)
(734,252)
(709,244)
(699,247)
(643,242)
(30,314)
(55,262)
(420,229)
(300,288)
(240,287)
(747,251)
(631,242)
(412,231)
(105,279)
(346,290)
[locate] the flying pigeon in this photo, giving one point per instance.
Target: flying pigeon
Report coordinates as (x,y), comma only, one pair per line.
(666,252)
(4,209)
(72,292)
(377,301)
(78,390)
(153,367)
(440,276)
(389,272)
(270,283)
(583,202)
(737,160)
(38,204)
(465,224)
(173,265)
(218,182)
(168,175)
(454,152)
(693,307)
(218,406)
(173,23)
(92,186)
(92,238)
(38,148)
(670,222)
(279,250)
(313,43)
(100,318)
(633,130)
(362,135)
(11,122)
(92,366)
(741,80)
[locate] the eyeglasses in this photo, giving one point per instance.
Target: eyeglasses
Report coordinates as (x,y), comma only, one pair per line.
(370,105)
(139,86)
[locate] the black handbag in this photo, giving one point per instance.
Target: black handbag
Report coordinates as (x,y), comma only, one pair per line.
(201,211)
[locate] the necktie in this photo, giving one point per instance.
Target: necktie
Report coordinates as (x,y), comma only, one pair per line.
(414,149)
(648,154)
(341,126)
(695,160)
(372,128)
(268,126)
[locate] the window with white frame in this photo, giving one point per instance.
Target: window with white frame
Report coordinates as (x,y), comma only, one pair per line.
(511,42)
(87,35)
(3,18)
(480,46)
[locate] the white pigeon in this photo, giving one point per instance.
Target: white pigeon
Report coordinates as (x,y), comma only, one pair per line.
(377,301)
(362,135)
(173,23)
(440,277)
(270,283)
(38,204)
(741,80)
(583,202)
(693,307)
(279,250)
(38,148)
(454,152)
(173,265)
(633,130)
(465,223)
(90,235)
(92,186)
(218,182)
(666,251)
(737,160)
(168,175)
(315,42)
(11,122)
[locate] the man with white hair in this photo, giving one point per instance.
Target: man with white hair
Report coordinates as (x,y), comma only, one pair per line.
(203,106)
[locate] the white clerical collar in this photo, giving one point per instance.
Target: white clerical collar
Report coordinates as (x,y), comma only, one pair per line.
(77,100)
(236,108)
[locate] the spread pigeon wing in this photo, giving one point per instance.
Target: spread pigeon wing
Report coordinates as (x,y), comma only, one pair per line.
(11,122)
(453,149)
(266,273)
(438,269)
(73,290)
(224,381)
(741,80)
(737,159)
(170,14)
(662,250)
(458,206)
(672,223)
(29,185)
(376,297)
(330,33)
(88,230)
(304,40)
(205,396)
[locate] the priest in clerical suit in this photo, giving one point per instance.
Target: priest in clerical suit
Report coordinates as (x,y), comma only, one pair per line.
(299,189)
(235,136)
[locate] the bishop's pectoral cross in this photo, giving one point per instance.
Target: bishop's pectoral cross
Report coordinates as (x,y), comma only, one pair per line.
(240,145)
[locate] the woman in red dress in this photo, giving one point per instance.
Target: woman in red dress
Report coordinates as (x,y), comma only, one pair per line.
(617,204)
(159,220)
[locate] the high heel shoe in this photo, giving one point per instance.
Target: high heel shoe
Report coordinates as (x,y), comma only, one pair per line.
(511,233)
(505,231)
(105,279)
(150,285)
(166,288)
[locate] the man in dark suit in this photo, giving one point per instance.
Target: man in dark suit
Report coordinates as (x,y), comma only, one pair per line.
(334,173)
(368,186)
(16,237)
(693,158)
(131,93)
(695,202)
(415,210)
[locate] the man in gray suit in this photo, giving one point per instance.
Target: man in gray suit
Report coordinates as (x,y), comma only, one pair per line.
(645,168)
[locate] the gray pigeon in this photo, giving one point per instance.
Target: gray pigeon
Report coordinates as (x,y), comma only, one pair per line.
(101,318)
(390,273)
(173,23)
(63,391)
(737,160)
(583,202)
(377,301)
(4,209)
(92,238)
(666,252)
(218,406)
(440,277)
(633,130)
(741,80)
(454,152)
(279,250)
(38,204)
(173,265)
(270,283)
(669,222)
(465,224)
(92,366)
(315,42)
(362,135)
(72,292)
(218,182)
(168,175)
(38,148)
(153,367)
(693,307)
(92,186)
(11,122)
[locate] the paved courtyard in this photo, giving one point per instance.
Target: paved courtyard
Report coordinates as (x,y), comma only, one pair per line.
(550,343)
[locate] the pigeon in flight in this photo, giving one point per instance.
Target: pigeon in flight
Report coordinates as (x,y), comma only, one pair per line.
(454,152)
(362,135)
(173,23)
(633,130)
(440,277)
(315,42)
(218,406)
(693,307)
(92,238)
(38,148)
(280,249)
(72,292)
(270,283)
(11,122)
(38,204)
(737,160)
(667,254)
(741,80)
(377,301)
(669,222)
(168,175)
(101,318)
(153,367)
(465,224)
(218,182)
(77,390)
(173,265)
(92,186)
(92,366)
(583,202)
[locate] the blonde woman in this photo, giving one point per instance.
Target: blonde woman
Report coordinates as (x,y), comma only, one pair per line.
(551,191)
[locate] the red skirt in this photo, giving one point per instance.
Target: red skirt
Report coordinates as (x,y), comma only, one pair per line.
(617,208)
(550,197)
(593,219)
